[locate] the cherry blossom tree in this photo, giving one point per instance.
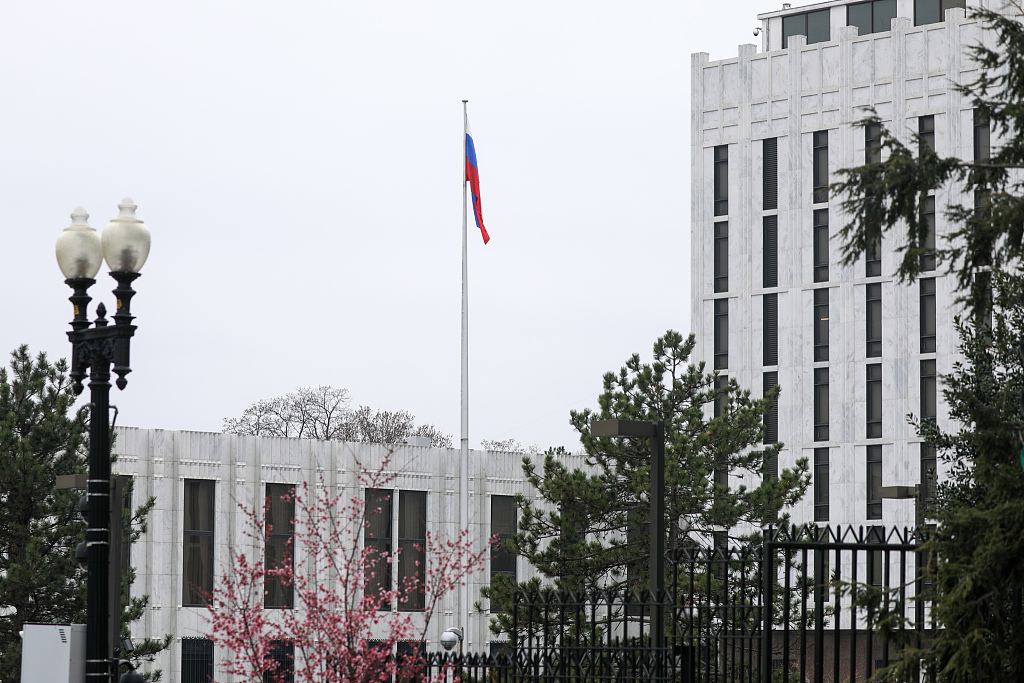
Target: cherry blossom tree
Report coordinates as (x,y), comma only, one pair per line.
(343,624)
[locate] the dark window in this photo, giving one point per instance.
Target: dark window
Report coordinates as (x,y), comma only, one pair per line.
(820,245)
(280,533)
(721,257)
(280,662)
(771,328)
(722,180)
(873,143)
(821,404)
(197,573)
(771,251)
(928,233)
(874,401)
(925,134)
(821,575)
(377,541)
(871,17)
(820,324)
(983,299)
(503,525)
(873,294)
(771,173)
(412,547)
(934,11)
(820,166)
(814,25)
(410,656)
(929,381)
(927,285)
(721,395)
(982,137)
(498,647)
(771,416)
(876,571)
(929,463)
(196,660)
(874,493)
(820,484)
(721,334)
(873,257)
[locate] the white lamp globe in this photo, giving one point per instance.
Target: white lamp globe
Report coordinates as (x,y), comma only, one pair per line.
(449,640)
(125,240)
(79,254)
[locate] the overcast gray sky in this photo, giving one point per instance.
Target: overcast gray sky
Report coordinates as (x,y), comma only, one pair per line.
(299,166)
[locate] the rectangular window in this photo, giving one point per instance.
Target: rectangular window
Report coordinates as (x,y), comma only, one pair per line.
(197,571)
(722,180)
(820,325)
(874,478)
(820,245)
(871,17)
(934,11)
(721,395)
(377,541)
(721,256)
(771,416)
(412,547)
(873,142)
(819,166)
(925,134)
(771,173)
(876,566)
(873,257)
(982,137)
(721,334)
(280,534)
(874,401)
(771,328)
(282,662)
(196,660)
(503,525)
(928,233)
(929,381)
(927,285)
(929,463)
(821,404)
(814,25)
(820,484)
(411,671)
(873,295)
(771,251)
(982,295)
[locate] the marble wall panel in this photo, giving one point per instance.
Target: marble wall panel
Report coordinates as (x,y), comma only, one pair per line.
(916,52)
(938,47)
(883,58)
(780,75)
(733,91)
(830,67)
(712,86)
(863,64)
(810,70)
(760,84)
(759,111)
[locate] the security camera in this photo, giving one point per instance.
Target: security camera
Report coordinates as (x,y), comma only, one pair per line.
(757,30)
(450,638)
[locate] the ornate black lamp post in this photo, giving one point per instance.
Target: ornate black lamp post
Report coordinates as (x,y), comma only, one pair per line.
(80,252)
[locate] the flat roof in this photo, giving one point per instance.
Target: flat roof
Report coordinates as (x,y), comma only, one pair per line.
(805,8)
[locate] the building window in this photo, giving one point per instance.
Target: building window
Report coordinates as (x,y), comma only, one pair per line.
(813,25)
(874,493)
(820,245)
(412,549)
(928,233)
(982,136)
(722,180)
(771,416)
(873,143)
(721,256)
(874,401)
(721,395)
(721,334)
(871,17)
(771,173)
(377,542)
(821,404)
(929,380)
(876,566)
(873,257)
(819,166)
(983,299)
(770,272)
(820,484)
(820,325)
(416,652)
(927,285)
(934,11)
(197,572)
(196,660)
(280,534)
(929,464)
(771,328)
(280,662)
(503,525)
(925,134)
(873,295)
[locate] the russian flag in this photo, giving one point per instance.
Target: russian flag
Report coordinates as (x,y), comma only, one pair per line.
(473,176)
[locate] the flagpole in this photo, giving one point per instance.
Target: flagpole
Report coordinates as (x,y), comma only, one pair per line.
(464,441)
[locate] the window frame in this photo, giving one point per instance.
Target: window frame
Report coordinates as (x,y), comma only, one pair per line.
(873,401)
(873,320)
(819,167)
(928,312)
(821,407)
(721,334)
(821,324)
(720,176)
(821,484)
(204,541)
(721,257)
(873,495)
(277,594)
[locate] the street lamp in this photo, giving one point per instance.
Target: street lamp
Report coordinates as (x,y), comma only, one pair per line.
(655,431)
(95,346)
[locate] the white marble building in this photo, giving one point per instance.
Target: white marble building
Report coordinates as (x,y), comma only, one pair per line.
(801,92)
(163,463)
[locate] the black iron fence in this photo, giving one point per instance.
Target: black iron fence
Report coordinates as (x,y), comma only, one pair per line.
(778,611)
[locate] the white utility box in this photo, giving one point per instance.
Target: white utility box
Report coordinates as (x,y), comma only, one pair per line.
(53,652)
